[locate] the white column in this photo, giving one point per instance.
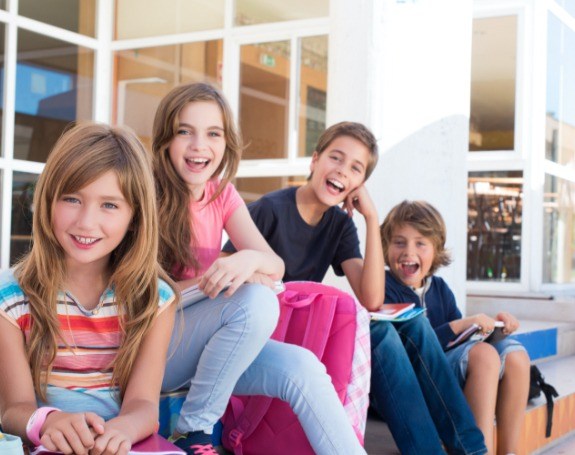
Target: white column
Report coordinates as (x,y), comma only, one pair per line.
(402,67)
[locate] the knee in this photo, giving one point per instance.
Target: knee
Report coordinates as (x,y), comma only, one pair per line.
(304,371)
(517,364)
(259,307)
(384,337)
(484,359)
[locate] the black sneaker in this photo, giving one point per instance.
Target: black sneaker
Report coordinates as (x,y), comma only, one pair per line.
(195,443)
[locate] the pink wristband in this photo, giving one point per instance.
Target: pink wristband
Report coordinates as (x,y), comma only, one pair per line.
(35,423)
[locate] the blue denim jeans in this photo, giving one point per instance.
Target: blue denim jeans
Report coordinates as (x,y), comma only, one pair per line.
(225,349)
(415,391)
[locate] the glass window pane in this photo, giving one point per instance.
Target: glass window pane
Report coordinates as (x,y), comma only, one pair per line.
(75,15)
(160,17)
(144,76)
(253,188)
(558,231)
(313,92)
(250,12)
(22,194)
(495,207)
(1,80)
(569,5)
(264,99)
(54,86)
(493,69)
(560,118)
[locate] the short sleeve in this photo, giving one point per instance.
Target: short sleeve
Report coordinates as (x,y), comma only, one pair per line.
(231,200)
(14,305)
(348,247)
(167,295)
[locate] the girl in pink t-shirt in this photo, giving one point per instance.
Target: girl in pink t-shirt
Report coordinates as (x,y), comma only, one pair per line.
(225,346)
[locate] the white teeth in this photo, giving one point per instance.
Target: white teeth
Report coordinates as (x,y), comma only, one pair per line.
(198,160)
(85,240)
(337,184)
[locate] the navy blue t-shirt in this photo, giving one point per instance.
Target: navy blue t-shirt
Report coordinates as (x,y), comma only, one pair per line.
(307,251)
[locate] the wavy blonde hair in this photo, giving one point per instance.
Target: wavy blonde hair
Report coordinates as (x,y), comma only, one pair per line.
(172,192)
(83,154)
(424,218)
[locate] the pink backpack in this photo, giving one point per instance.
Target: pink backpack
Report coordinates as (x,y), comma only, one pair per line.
(333,326)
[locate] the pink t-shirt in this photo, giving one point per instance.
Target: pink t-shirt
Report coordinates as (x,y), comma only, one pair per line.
(208,220)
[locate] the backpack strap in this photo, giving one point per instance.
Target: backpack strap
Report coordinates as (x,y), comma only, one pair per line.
(322,311)
(549,392)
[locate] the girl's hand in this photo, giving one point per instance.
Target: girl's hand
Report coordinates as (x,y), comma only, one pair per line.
(262,278)
(360,200)
(233,270)
(486,323)
(113,442)
(71,433)
(511,324)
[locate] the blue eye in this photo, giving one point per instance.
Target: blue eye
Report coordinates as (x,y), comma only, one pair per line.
(71,199)
(182,132)
(109,205)
(214,134)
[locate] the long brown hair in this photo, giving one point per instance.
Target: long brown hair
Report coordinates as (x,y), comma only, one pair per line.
(83,154)
(173,194)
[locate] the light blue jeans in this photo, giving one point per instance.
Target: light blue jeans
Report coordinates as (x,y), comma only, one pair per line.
(225,349)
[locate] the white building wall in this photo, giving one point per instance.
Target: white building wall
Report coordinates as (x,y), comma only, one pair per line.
(403,68)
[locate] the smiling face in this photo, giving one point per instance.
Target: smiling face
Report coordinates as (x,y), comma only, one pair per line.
(338,170)
(198,147)
(410,255)
(90,223)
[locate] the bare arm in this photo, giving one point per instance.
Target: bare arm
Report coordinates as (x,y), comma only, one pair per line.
(367,276)
(138,416)
(253,255)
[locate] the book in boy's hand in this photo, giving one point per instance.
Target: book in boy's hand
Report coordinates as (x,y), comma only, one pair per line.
(473,332)
(390,311)
(152,445)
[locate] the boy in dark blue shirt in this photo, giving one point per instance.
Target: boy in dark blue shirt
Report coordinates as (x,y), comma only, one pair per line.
(412,387)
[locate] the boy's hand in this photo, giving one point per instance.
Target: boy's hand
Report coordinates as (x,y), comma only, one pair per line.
(71,432)
(511,324)
(360,200)
(486,323)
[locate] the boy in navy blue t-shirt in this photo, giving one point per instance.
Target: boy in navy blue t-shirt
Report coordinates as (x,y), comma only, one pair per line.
(412,387)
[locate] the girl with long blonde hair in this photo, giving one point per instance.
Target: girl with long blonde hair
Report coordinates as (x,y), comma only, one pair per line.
(85,316)
(225,346)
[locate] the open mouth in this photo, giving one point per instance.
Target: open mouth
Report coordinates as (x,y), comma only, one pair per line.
(85,240)
(336,185)
(409,268)
(197,164)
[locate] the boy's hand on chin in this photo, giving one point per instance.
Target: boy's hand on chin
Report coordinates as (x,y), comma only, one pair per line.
(360,200)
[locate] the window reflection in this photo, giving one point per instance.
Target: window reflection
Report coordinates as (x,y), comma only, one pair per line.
(21,234)
(560,118)
(253,188)
(250,12)
(53,88)
(75,15)
(558,231)
(264,99)
(495,207)
(145,75)
(160,17)
(313,92)
(493,67)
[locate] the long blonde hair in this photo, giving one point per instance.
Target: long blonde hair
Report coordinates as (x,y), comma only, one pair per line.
(83,154)
(172,192)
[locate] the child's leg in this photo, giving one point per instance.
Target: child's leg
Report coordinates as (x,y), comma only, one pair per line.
(295,375)
(443,395)
(396,394)
(220,338)
(480,389)
(511,401)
